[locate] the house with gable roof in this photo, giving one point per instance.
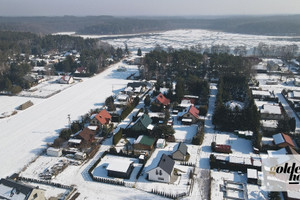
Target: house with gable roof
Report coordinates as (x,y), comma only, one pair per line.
(162,100)
(163,171)
(189,115)
(143,143)
(86,135)
(181,152)
(283,140)
(103,118)
(142,124)
(10,189)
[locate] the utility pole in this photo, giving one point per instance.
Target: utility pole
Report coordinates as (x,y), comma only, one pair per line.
(69,119)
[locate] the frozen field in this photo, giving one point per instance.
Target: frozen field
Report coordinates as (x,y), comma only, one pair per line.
(190,37)
(25,135)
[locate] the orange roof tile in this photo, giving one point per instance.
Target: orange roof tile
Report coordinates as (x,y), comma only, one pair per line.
(163,100)
(103,117)
(194,111)
(288,139)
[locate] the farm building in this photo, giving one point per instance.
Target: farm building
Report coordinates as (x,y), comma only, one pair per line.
(120,168)
(163,171)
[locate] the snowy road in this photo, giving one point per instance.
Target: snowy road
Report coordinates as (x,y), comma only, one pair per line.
(26,134)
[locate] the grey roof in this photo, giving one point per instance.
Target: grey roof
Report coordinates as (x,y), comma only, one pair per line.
(22,188)
(137,84)
(182,148)
(166,163)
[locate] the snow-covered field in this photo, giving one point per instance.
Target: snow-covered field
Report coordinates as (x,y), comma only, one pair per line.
(190,37)
(25,135)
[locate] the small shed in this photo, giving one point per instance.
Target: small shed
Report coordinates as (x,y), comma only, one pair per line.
(160,143)
(80,156)
(54,152)
(222,148)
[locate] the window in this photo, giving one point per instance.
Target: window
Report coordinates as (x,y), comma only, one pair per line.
(160,173)
(35,196)
(160,178)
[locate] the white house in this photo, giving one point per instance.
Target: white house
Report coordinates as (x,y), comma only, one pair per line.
(163,171)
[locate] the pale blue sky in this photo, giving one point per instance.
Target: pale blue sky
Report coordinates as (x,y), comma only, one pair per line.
(147,7)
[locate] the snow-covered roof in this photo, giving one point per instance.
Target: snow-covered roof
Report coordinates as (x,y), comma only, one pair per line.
(160,141)
(93,128)
(293,194)
(296,94)
(281,151)
(122,97)
(186,120)
(270,109)
(269,123)
(185,103)
(261,92)
(118,165)
(5,192)
(93,116)
(252,173)
(221,157)
(150,127)
(74,141)
(278,139)
(234,159)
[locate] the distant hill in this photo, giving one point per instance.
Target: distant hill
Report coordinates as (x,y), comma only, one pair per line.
(263,25)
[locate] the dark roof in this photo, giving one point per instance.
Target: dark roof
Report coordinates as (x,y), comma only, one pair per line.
(146,140)
(137,84)
(87,134)
(145,120)
(20,187)
(182,148)
(166,163)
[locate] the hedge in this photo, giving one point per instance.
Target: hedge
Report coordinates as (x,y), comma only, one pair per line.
(117,137)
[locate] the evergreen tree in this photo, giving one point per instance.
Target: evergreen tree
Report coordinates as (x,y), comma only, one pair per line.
(139,52)
(147,100)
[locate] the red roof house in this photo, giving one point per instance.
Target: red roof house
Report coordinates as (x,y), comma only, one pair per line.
(102,118)
(87,135)
(162,100)
(283,140)
(189,115)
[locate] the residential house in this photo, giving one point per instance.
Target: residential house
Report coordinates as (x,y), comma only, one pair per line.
(143,144)
(138,87)
(162,100)
(142,124)
(283,140)
(189,115)
(119,168)
(86,135)
(103,118)
(66,80)
(123,100)
(10,189)
(163,171)
(271,112)
(181,152)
